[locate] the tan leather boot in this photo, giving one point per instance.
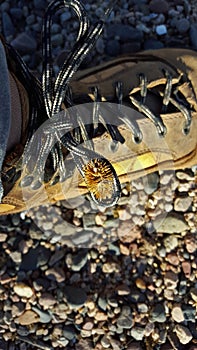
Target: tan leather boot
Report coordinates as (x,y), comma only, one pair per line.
(152,72)
(151,97)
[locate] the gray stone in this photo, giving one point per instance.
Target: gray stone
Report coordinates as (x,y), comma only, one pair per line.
(65,16)
(69,332)
(5,6)
(100,46)
(159,6)
(189,312)
(8,27)
(142,308)
(57,39)
(40,4)
(16,13)
(30,19)
(83,238)
(182,203)
(45,317)
(171,224)
(112,48)
(125,319)
(151,183)
(125,322)
(35,258)
(130,47)
(24,43)
(137,333)
(183,25)
(102,303)
(124,32)
(157,314)
(76,297)
(79,260)
(152,44)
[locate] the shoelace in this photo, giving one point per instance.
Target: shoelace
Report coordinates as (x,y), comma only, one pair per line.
(97,171)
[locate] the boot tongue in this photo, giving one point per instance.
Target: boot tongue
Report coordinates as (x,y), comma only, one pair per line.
(153,102)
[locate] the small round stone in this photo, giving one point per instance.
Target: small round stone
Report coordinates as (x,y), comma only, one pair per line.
(183,333)
(177,314)
(23,290)
(137,333)
(183,25)
(159,6)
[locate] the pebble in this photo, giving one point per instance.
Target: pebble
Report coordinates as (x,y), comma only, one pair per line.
(193,293)
(161,29)
(173,259)
(171,280)
(75,296)
(22,290)
(182,204)
(183,334)
(124,32)
(5,7)
(140,283)
(24,43)
(100,46)
(16,257)
(102,303)
(157,314)
(40,4)
(152,44)
(142,308)
(159,6)
(27,318)
(125,319)
(64,17)
(45,317)
(137,333)
(30,19)
(123,289)
(191,244)
(105,342)
(151,183)
(186,266)
(177,314)
(69,332)
(3,237)
(47,300)
(170,243)
(171,224)
(189,312)
(77,261)
(56,274)
(112,48)
(57,39)
(182,25)
(7,25)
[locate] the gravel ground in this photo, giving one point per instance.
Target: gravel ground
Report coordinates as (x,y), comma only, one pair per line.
(135,286)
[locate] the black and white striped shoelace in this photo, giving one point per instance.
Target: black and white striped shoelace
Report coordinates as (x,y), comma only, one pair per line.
(96,170)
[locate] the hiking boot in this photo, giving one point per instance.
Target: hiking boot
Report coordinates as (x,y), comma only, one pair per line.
(139,116)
